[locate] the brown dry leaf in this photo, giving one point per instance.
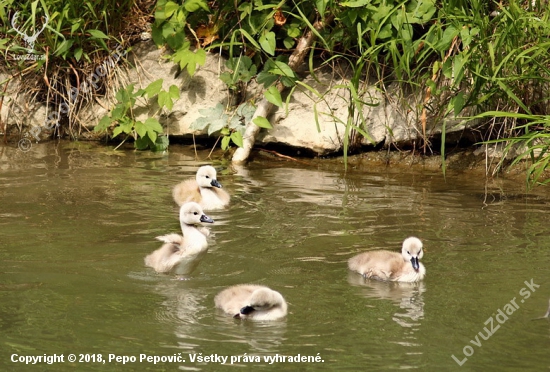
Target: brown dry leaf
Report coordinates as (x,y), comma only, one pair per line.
(420,47)
(280,18)
(207,34)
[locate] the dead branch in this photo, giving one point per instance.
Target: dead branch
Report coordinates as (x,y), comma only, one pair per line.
(264,107)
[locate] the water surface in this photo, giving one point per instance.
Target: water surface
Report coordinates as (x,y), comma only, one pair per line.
(77,219)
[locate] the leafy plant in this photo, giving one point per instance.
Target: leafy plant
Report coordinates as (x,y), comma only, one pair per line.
(230,127)
(147,134)
(71,29)
(171,21)
(533,146)
(241,71)
(60,44)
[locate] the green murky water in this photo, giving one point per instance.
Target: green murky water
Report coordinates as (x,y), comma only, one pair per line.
(76,221)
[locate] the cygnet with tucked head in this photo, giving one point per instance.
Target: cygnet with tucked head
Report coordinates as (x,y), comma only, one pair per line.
(181,254)
(204,190)
(251,301)
(392,266)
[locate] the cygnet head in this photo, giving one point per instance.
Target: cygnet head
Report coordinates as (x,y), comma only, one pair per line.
(412,251)
(206,177)
(264,304)
(191,214)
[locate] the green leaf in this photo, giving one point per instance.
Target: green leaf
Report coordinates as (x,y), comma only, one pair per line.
(433,87)
(63,48)
(126,126)
(227,79)
(246,110)
(200,59)
(448,35)
(168,30)
(458,68)
(194,5)
(237,138)
(154,88)
(140,93)
(200,123)
(448,68)
(262,122)
(153,124)
(245,9)
(77,53)
(164,100)
(103,124)
(161,144)
(293,32)
(355,4)
(225,142)
(123,94)
(234,123)
(75,27)
(152,135)
(513,96)
(169,9)
(458,103)
(465,37)
(141,129)
(274,96)
(216,125)
(174,92)
(142,143)
(156,33)
(289,42)
(97,34)
(321,6)
(267,41)
(118,112)
(250,38)
(281,68)
(117,131)
(188,59)
(266,78)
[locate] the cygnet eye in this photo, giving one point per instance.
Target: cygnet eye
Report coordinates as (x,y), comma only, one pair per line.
(207,176)
(195,213)
(408,252)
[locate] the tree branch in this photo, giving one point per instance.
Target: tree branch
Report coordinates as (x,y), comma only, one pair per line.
(264,107)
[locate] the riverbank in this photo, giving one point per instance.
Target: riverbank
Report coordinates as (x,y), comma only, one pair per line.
(466,162)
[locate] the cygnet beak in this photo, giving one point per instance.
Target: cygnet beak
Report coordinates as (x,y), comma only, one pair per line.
(415,264)
(247,310)
(215,183)
(205,218)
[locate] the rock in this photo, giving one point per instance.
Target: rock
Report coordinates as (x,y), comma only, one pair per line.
(19,111)
(202,90)
(382,121)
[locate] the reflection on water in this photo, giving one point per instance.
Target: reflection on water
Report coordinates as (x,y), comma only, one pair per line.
(77,219)
(407,296)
